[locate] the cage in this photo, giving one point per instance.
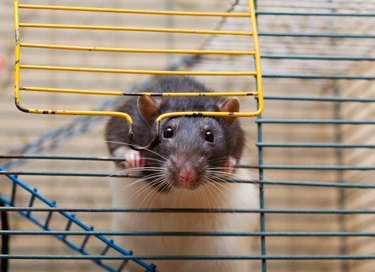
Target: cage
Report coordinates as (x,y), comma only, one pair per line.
(311,151)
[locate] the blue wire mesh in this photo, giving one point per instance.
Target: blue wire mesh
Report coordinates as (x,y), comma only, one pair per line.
(71,220)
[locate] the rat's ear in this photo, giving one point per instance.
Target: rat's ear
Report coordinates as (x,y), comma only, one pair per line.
(230,105)
(148,107)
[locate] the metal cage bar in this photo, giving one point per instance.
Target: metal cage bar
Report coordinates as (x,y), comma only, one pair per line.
(71,219)
(132,11)
(19,25)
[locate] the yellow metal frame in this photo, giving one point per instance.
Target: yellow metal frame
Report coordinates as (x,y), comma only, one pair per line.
(18,66)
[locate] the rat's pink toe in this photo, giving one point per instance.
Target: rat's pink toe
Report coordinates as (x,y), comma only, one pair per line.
(229,165)
(135,159)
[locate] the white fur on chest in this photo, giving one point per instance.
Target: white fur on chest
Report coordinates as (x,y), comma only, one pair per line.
(224,196)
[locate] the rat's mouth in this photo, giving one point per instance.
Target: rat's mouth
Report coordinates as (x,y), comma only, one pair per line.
(188,181)
(187,185)
(162,186)
(166,184)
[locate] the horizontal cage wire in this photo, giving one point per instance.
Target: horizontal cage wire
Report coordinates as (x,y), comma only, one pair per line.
(310,154)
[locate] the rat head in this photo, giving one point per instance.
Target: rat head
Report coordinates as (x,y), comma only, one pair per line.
(190,150)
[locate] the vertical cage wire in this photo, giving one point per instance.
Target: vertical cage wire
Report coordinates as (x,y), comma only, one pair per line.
(261,188)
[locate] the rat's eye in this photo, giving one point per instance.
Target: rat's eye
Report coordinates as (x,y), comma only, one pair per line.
(168,132)
(209,136)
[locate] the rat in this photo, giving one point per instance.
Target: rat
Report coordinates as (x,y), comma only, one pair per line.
(185,167)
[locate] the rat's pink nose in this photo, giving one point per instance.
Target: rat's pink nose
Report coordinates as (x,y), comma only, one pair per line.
(186,175)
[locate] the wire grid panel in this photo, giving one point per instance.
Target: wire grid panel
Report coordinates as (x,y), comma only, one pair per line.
(315,140)
(21,26)
(108,246)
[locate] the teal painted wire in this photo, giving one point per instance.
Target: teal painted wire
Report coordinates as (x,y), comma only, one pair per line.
(188,257)
(70,218)
(261,187)
(318,57)
(318,145)
(261,195)
(316,35)
(318,167)
(321,99)
(60,157)
(316,121)
(323,14)
(204,234)
(190,210)
(318,184)
(126,175)
(317,76)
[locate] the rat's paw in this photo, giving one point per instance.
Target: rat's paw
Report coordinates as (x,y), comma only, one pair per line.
(134,159)
(229,165)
